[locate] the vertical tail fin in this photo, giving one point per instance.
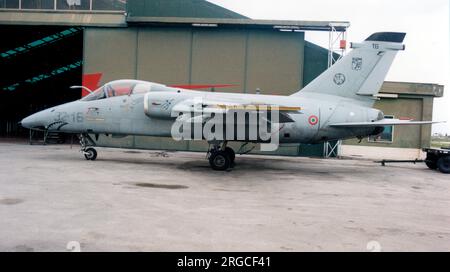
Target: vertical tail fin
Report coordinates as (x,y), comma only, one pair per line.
(360,74)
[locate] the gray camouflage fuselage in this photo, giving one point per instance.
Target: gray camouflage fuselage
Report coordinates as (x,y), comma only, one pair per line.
(124,115)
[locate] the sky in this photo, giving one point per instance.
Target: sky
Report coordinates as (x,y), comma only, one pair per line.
(426,22)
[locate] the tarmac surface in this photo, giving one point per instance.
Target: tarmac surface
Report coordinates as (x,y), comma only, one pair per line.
(52,199)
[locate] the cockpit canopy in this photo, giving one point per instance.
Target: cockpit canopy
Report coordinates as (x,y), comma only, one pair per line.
(119,88)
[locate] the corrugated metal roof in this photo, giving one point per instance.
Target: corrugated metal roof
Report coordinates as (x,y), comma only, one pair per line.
(179,8)
(281,25)
(204,13)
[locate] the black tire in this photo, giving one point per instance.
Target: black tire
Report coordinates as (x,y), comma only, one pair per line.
(220,161)
(230,153)
(443,164)
(90,154)
(431,164)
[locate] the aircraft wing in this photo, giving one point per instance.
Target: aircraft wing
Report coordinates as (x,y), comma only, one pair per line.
(225,107)
(384,122)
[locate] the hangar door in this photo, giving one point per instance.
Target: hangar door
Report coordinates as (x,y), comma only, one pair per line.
(38,64)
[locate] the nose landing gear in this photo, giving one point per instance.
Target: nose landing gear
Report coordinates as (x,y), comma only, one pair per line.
(88,151)
(221,157)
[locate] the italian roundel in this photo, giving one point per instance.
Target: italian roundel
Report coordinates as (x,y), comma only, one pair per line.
(313,120)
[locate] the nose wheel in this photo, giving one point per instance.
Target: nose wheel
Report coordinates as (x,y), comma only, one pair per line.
(221,158)
(88,151)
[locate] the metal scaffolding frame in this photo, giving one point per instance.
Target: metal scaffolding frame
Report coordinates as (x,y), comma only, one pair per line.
(332,149)
(335,49)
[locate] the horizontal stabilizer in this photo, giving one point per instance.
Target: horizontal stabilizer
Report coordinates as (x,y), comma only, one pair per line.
(384,122)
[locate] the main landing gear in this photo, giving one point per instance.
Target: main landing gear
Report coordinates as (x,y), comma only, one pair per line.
(221,157)
(86,147)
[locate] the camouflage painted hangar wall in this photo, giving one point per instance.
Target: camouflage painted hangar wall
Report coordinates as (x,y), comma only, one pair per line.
(270,60)
(249,59)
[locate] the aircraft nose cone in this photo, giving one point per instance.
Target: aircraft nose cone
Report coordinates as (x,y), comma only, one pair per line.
(27,122)
(33,121)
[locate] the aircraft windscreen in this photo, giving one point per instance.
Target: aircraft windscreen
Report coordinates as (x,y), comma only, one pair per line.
(97,95)
(115,88)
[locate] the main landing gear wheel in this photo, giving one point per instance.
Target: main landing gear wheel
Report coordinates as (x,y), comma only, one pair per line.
(220,160)
(90,154)
(231,154)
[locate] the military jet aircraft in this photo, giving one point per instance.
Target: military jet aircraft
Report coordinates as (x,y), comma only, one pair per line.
(336,105)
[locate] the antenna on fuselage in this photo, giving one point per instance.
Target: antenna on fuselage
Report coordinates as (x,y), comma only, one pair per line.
(82,87)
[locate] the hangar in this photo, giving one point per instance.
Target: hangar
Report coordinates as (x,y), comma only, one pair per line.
(55,44)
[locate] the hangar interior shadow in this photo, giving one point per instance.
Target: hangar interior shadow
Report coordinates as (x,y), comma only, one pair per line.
(38,64)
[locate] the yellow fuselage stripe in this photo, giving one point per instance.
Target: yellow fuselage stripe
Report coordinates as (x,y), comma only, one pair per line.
(258,107)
